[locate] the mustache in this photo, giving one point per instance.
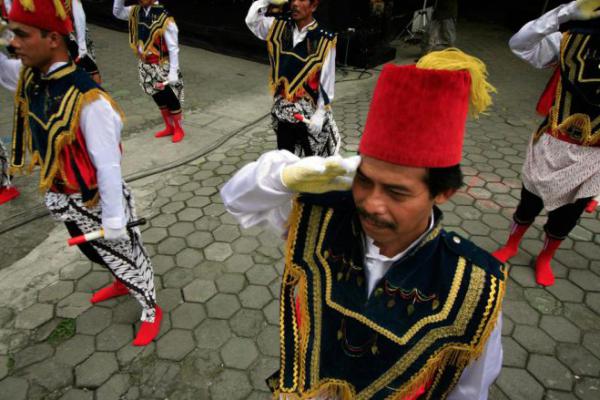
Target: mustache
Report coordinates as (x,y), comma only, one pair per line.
(375,220)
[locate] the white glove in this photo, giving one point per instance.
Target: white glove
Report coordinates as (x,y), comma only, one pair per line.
(115,234)
(82,54)
(582,10)
(320,175)
(278,3)
(316,122)
(173,78)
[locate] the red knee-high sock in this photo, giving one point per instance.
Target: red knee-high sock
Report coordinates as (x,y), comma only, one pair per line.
(543,270)
(178,132)
(169,128)
(115,289)
(149,330)
(511,247)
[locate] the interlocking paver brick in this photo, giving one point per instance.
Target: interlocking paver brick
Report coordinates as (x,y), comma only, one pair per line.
(56,292)
(578,359)
(514,354)
(187,316)
(226,233)
(261,274)
(96,370)
(520,312)
(114,337)
(560,329)
(189,258)
(199,291)
(218,251)
(534,339)
(543,301)
(169,299)
(114,388)
(519,384)
(586,280)
(78,394)
(199,240)
(50,374)
(212,334)
(222,306)
(75,270)
(254,296)
(171,246)
(247,323)
(178,278)
(175,345)
(231,283)
(268,341)
(34,316)
(14,388)
(550,372)
(588,389)
(231,385)
(209,270)
(239,353)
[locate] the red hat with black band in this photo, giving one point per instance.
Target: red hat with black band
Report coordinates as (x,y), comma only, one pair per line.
(418,112)
(49,15)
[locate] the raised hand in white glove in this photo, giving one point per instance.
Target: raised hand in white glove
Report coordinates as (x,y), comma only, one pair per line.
(316,122)
(115,234)
(81,55)
(320,175)
(585,9)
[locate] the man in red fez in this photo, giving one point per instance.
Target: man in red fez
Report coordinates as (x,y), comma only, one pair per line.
(71,129)
(377,299)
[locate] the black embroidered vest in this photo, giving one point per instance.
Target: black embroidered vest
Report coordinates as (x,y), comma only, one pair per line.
(146,32)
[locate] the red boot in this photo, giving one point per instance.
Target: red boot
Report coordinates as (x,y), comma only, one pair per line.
(511,248)
(178,129)
(115,289)
(149,330)
(543,271)
(169,128)
(8,193)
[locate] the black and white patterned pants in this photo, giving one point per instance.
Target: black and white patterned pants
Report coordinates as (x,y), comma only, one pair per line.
(126,259)
(151,74)
(4,176)
(295,137)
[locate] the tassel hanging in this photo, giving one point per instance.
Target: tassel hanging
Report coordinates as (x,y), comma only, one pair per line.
(60,9)
(455,60)
(28,5)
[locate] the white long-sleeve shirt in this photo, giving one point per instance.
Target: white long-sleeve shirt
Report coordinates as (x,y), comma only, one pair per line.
(260,24)
(256,195)
(171,36)
(79,23)
(101,127)
(538,41)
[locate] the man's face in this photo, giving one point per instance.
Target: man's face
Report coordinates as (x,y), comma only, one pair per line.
(31,46)
(302,9)
(393,203)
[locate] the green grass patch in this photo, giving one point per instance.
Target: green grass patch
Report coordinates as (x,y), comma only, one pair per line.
(63,332)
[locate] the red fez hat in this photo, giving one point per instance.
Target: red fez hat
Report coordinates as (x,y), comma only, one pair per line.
(419,112)
(49,15)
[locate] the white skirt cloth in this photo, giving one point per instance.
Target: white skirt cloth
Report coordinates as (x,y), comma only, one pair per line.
(561,173)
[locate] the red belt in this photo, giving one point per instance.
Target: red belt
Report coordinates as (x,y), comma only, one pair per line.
(152,59)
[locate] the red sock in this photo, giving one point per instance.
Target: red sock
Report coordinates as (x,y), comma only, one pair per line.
(178,132)
(115,289)
(169,129)
(543,271)
(149,330)
(8,193)
(511,247)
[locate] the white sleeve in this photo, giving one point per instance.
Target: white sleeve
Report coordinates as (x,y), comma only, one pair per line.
(80,26)
(476,379)
(538,41)
(255,195)
(8,5)
(257,21)
(101,127)
(172,39)
(120,11)
(327,83)
(10,70)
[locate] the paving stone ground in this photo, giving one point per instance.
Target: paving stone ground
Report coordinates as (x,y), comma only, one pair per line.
(219,284)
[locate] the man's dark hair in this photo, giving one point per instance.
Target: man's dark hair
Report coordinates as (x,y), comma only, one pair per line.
(439,180)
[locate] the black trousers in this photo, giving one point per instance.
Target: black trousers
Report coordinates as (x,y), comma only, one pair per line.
(166,98)
(288,135)
(560,221)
